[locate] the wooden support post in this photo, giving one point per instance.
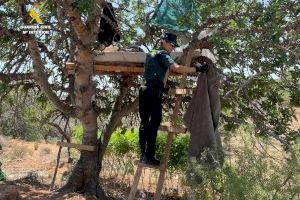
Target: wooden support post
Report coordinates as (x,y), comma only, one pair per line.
(125,68)
(168,127)
(163,169)
(135,182)
(56,168)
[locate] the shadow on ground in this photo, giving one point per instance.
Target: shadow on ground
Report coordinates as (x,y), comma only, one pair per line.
(30,188)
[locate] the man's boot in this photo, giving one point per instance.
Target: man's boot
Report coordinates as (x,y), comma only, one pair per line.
(149,156)
(142,153)
(142,140)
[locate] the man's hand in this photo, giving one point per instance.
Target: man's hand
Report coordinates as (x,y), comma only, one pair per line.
(201,68)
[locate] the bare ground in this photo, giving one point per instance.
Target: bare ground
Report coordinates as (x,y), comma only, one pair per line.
(30,167)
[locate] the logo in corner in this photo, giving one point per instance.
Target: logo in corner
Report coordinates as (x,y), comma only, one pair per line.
(35,10)
(33,13)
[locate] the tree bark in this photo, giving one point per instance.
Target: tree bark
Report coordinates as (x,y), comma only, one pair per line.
(85,176)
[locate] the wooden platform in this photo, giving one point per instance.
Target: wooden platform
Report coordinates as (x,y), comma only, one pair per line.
(130,63)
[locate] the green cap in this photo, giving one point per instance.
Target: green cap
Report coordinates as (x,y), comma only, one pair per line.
(170,37)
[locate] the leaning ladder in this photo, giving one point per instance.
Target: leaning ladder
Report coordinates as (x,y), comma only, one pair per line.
(172,129)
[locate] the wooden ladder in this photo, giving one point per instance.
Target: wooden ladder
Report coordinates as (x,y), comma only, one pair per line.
(171,131)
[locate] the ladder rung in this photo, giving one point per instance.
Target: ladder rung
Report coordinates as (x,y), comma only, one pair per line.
(76,146)
(140,164)
(181,91)
(172,129)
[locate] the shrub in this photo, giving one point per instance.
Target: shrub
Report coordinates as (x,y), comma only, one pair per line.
(179,149)
(25,118)
(253,176)
(122,143)
(127,142)
(77,134)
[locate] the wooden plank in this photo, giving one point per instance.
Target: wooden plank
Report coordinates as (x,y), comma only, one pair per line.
(115,69)
(172,129)
(137,70)
(135,182)
(169,127)
(181,91)
(121,56)
(124,57)
(76,146)
(70,65)
(139,163)
(118,69)
(131,57)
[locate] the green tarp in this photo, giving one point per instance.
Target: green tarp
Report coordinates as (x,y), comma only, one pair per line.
(176,15)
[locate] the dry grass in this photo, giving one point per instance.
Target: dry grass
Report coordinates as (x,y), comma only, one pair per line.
(19,152)
(45,151)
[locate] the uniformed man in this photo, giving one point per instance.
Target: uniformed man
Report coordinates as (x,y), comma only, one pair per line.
(150,100)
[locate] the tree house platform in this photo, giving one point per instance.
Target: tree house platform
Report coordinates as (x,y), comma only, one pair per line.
(127,63)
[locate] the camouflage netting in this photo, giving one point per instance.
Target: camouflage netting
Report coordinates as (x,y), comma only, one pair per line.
(176,15)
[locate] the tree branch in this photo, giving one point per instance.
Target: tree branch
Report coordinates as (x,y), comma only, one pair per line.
(42,78)
(118,113)
(15,77)
(78,25)
(39,73)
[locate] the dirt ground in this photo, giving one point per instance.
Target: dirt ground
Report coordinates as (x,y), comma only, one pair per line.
(30,167)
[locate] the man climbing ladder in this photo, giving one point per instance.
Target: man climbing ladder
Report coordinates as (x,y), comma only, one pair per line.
(150,100)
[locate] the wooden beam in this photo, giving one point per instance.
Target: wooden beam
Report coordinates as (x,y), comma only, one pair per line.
(124,57)
(181,91)
(119,69)
(172,129)
(76,146)
(132,57)
(70,65)
(141,164)
(102,69)
(121,56)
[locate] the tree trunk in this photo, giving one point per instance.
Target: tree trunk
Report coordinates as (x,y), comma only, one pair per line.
(85,175)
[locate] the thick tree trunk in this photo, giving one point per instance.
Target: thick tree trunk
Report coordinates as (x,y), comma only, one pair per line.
(85,176)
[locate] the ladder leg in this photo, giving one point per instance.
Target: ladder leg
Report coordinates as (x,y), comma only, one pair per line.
(160,185)
(162,173)
(135,182)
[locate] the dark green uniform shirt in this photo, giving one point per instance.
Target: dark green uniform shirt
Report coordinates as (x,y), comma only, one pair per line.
(157,66)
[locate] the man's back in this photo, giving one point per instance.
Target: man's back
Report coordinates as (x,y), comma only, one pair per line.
(157,66)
